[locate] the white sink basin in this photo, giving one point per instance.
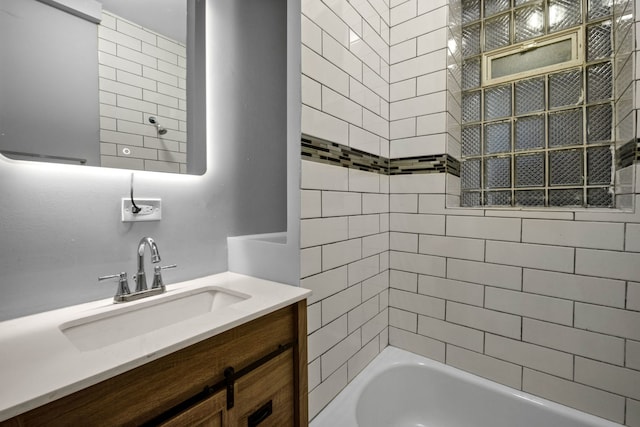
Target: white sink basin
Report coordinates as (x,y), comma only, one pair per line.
(135,319)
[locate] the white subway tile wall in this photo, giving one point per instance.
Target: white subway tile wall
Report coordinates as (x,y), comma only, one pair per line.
(541,300)
(142,75)
(345,212)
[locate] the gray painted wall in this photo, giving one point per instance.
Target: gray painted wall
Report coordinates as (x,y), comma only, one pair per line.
(48,82)
(60,225)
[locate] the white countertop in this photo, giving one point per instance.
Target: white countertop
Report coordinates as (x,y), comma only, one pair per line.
(39,364)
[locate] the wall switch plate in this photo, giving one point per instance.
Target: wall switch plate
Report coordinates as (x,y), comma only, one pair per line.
(151,210)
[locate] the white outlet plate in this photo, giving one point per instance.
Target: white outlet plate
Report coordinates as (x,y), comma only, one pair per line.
(151,210)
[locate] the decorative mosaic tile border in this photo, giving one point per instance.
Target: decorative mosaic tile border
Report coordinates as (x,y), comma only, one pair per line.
(628,154)
(318,150)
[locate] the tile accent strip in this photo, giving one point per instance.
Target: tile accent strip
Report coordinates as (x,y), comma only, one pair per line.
(628,154)
(318,150)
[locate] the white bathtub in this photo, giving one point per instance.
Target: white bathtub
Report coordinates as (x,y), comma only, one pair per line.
(401,389)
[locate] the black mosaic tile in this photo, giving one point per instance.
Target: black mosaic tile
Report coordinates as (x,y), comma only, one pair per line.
(321,151)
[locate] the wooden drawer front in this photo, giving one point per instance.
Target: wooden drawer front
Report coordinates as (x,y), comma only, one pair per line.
(271,384)
(143,393)
(208,413)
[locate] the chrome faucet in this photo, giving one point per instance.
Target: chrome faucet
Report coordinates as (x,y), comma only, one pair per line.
(124,294)
(141,279)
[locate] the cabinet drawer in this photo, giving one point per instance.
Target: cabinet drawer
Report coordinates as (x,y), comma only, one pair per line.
(264,397)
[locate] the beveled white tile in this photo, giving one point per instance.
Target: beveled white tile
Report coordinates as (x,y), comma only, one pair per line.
(340,56)
(420,25)
(363,225)
(484,228)
(418,183)
(314,376)
(433,41)
(326,337)
(311,93)
(323,71)
(416,263)
(364,140)
(417,223)
(310,204)
(322,125)
(633,296)
(310,261)
(452,247)
(319,231)
(486,320)
(311,34)
(403,319)
(544,257)
(404,12)
(340,354)
(575,341)
(341,253)
(461,336)
(363,313)
(337,203)
(375,203)
(326,391)
(418,106)
(578,288)
(375,244)
(608,377)
(326,19)
(597,235)
(488,367)
(418,344)
(403,281)
(363,181)
(403,51)
(612,321)
(402,90)
(364,96)
(614,265)
(406,242)
(362,358)
(324,177)
(529,305)
(340,304)
(632,357)
(452,290)
(363,269)
(314,317)
(419,146)
(587,399)
(404,203)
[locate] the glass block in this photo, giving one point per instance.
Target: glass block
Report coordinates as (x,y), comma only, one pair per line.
(470,174)
(566,167)
(565,88)
(529,22)
(497,102)
(530,198)
(529,95)
(572,197)
(599,8)
(470,40)
(599,41)
(530,133)
(599,162)
(599,197)
(565,128)
(497,198)
(521,2)
(471,141)
(470,11)
(497,173)
(497,32)
(599,82)
(471,73)
(497,137)
(599,119)
(530,170)
(470,199)
(564,14)
(471,107)
(491,7)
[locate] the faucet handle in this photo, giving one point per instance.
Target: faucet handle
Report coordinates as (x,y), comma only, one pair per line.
(123,284)
(157,276)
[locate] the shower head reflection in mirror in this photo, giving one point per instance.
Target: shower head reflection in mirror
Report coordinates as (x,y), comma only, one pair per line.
(116,63)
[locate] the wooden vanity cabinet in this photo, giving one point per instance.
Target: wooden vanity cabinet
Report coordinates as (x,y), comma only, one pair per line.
(268,386)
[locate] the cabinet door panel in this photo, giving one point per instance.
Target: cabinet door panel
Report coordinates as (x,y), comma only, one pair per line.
(211,412)
(272,382)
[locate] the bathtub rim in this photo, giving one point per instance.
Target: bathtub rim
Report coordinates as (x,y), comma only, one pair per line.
(344,404)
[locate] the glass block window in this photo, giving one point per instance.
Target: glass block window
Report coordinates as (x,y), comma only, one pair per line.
(545,137)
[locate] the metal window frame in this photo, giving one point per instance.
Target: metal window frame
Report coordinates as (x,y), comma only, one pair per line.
(575,35)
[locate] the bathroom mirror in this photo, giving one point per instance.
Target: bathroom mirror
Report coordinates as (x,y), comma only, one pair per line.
(104,83)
